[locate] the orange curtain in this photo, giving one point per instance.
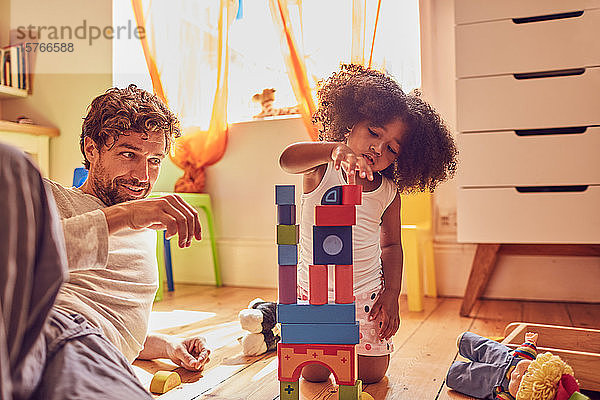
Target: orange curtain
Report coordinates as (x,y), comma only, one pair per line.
(296,67)
(295,58)
(179,76)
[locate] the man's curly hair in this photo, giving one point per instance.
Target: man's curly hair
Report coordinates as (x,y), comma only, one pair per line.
(119,111)
(427,151)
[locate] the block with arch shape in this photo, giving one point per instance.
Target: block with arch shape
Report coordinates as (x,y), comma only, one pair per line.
(340,359)
(332,196)
(332,245)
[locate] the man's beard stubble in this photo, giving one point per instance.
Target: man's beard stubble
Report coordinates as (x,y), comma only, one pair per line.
(108,191)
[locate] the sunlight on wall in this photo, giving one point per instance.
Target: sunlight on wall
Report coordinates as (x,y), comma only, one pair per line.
(129,65)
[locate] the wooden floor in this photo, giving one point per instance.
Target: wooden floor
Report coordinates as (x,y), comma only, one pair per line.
(425,345)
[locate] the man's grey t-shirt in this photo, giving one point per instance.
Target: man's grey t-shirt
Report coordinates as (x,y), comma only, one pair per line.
(112,279)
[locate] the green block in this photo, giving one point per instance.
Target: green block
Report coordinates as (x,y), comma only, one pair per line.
(289,390)
(578,396)
(347,392)
(288,234)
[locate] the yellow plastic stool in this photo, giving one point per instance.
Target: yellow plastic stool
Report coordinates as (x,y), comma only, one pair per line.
(200,201)
(417,243)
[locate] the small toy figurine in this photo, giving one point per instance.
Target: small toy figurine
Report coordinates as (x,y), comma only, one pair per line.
(260,320)
(266,99)
(497,372)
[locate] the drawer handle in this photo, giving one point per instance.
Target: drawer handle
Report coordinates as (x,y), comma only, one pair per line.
(549,17)
(551,189)
(550,74)
(571,130)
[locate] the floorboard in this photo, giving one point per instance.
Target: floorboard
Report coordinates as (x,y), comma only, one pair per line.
(424,346)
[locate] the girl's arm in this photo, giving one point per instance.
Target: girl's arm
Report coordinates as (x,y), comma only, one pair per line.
(391,258)
(309,158)
(303,157)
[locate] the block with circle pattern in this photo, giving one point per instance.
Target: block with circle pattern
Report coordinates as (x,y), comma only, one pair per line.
(332,245)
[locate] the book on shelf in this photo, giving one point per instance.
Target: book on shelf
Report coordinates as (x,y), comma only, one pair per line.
(14,67)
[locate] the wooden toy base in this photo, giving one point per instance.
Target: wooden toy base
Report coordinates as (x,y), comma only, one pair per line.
(579,347)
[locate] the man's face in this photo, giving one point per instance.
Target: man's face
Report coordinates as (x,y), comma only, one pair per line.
(127,170)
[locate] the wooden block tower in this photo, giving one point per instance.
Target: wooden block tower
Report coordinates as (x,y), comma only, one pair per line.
(316,331)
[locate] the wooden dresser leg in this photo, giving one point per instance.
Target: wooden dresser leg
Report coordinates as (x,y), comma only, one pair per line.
(481,270)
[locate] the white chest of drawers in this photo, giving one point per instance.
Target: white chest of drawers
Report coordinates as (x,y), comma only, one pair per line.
(528,115)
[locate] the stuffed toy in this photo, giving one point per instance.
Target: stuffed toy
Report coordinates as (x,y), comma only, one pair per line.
(266,99)
(260,320)
(495,371)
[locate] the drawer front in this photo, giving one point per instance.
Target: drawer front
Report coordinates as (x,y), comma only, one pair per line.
(469,11)
(507,159)
(507,103)
(503,215)
(503,47)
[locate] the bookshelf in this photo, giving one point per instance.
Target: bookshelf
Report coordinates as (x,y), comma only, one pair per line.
(14,72)
(9,92)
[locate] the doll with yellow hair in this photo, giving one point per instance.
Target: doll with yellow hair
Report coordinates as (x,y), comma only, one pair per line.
(497,372)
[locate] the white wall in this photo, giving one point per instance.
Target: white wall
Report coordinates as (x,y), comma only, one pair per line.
(242,187)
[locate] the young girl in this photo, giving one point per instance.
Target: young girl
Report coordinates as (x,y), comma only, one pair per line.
(372,134)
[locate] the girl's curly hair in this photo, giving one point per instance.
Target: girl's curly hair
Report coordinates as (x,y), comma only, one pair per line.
(427,155)
(118,111)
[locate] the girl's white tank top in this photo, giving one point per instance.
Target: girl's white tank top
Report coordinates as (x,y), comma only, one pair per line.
(368,272)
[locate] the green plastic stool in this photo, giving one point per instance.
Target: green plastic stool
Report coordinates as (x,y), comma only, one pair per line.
(200,201)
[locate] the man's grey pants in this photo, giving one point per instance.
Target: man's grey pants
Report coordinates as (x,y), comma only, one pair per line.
(44,353)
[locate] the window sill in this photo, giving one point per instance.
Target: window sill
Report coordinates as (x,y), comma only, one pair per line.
(265,119)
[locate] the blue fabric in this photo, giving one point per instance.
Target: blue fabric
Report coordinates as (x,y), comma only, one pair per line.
(487,369)
(79,176)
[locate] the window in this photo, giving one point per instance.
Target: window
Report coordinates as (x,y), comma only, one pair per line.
(256,60)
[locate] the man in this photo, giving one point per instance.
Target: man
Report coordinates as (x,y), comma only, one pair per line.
(98,322)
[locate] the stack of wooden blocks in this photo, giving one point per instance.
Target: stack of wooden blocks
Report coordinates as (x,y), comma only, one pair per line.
(316,331)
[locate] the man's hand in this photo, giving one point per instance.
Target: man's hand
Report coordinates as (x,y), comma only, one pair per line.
(190,353)
(169,212)
(386,309)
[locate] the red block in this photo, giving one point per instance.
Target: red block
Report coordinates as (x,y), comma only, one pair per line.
(344,293)
(335,215)
(352,194)
(317,284)
(287,284)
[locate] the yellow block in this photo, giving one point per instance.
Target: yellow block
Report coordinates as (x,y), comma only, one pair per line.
(163,381)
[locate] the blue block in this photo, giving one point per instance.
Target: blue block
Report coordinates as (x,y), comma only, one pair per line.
(332,245)
(320,333)
(333,195)
(287,254)
(304,312)
(285,194)
(286,214)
